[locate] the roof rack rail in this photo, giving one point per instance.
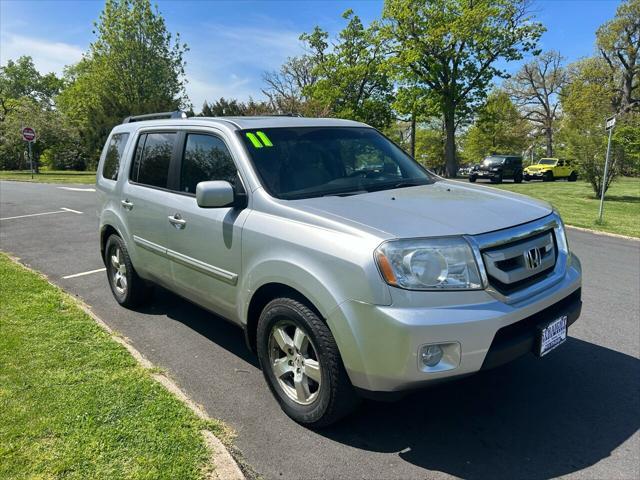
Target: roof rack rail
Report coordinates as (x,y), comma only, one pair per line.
(154,116)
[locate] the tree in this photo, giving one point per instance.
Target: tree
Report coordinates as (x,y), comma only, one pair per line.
(536,88)
(586,102)
(351,79)
(287,89)
(135,66)
(450,47)
(20,79)
(498,129)
(618,41)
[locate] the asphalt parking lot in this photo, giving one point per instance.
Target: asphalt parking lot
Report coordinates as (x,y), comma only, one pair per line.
(576,413)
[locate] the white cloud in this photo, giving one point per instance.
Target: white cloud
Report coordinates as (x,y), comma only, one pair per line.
(229,61)
(47,56)
(211,90)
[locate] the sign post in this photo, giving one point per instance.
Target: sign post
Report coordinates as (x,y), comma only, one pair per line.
(29,136)
(611,122)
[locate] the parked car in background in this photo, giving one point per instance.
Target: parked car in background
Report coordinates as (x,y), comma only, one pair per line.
(352,270)
(497,168)
(550,169)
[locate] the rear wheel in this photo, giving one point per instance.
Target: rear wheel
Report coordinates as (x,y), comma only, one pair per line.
(127,287)
(517,178)
(572,177)
(301,364)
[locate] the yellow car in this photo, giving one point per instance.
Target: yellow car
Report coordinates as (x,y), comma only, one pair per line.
(550,169)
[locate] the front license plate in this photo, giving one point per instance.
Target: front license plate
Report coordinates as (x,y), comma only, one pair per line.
(553,335)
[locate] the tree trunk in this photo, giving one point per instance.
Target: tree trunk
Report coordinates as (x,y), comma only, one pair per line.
(549,134)
(413,134)
(451,164)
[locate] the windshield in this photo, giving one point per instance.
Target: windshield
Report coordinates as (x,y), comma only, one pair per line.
(547,161)
(489,161)
(315,161)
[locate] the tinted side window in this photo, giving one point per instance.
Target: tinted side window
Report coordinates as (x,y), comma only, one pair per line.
(205,158)
(153,156)
(113,155)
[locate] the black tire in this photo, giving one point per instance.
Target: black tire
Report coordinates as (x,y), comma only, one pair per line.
(548,177)
(572,177)
(496,179)
(472,178)
(517,177)
(335,396)
(136,291)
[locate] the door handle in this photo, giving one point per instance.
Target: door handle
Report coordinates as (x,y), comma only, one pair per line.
(177,221)
(126,204)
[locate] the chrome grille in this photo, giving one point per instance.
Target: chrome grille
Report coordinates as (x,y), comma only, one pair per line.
(511,265)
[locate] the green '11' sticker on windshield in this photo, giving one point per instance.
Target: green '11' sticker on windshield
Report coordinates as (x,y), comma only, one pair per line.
(256,143)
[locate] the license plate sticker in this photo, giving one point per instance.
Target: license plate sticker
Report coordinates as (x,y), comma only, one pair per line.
(553,335)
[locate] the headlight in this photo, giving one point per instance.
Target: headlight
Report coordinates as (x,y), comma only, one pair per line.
(428,264)
(561,234)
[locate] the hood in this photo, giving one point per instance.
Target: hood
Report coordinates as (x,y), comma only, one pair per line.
(440,209)
(538,167)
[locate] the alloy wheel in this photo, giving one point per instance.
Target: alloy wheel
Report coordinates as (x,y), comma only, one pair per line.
(293,359)
(118,270)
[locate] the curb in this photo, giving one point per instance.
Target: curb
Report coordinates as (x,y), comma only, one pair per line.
(221,465)
(606,234)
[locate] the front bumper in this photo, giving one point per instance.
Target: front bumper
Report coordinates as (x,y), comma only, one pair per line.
(379,344)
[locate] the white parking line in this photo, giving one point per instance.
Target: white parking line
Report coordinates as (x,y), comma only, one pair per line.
(70,210)
(33,215)
(62,210)
(82,274)
(75,189)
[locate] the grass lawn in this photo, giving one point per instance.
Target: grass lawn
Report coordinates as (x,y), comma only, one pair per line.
(74,404)
(579,206)
(49,176)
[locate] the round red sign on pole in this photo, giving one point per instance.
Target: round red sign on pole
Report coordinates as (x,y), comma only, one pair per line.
(28,134)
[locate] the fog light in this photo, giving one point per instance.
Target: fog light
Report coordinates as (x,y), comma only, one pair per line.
(431,355)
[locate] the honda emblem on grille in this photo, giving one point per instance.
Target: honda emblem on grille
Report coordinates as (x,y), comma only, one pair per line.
(532,258)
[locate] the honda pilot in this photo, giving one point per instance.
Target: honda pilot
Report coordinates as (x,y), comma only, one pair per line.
(352,270)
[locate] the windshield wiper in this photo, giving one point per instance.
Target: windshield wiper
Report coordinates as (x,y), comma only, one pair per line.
(401,184)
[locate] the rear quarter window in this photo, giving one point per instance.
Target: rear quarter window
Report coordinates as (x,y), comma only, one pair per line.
(113,155)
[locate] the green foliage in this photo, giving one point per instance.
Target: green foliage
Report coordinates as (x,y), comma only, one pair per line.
(498,129)
(448,49)
(350,77)
(135,66)
(618,41)
(586,103)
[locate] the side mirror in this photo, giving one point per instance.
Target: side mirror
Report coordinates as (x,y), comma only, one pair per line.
(215,194)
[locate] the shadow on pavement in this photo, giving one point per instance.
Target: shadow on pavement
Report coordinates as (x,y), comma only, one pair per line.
(531,419)
(209,325)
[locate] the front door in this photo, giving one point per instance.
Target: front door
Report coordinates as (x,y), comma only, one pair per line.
(204,244)
(143,201)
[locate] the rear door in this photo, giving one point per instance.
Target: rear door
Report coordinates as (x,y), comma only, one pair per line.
(144,203)
(205,247)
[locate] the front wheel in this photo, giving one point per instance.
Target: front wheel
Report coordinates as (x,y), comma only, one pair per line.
(548,177)
(496,179)
(472,178)
(301,363)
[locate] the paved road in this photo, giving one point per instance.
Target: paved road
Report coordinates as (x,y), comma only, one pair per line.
(575,413)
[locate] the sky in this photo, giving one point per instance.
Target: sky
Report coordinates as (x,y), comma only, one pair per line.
(232,43)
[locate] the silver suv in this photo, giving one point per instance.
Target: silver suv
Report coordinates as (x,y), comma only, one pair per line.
(353,271)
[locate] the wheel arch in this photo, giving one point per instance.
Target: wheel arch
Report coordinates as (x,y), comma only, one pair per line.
(261,297)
